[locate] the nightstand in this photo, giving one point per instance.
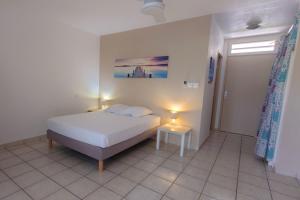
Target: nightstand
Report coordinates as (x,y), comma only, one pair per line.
(174,129)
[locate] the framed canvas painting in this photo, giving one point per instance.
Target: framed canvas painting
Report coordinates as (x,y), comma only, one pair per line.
(149,67)
(211,73)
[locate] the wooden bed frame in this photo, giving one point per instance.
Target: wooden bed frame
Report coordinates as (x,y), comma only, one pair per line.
(95,152)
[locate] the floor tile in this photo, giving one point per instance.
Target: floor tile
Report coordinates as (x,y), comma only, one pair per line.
(177,192)
(196,172)
(253,191)
(166,198)
(7,188)
(147,149)
(129,160)
(57,156)
(70,161)
(244,197)
(146,166)
(62,195)
(104,194)
(29,178)
(40,162)
(42,189)
(120,185)
(219,192)
(134,174)
(285,189)
(254,180)
(117,167)
(177,158)
(205,197)
(66,177)
(9,162)
(228,172)
(125,170)
(20,195)
(163,154)
(203,164)
(15,145)
(82,187)
(52,169)
(256,170)
(138,154)
(190,182)
(101,177)
(37,144)
(30,155)
(3,177)
(154,159)
(283,179)
(18,170)
(5,154)
(21,150)
(141,192)
(174,165)
(223,181)
(278,196)
(85,167)
(157,184)
(168,174)
(169,148)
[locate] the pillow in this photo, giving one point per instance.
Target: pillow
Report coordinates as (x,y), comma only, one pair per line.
(136,111)
(117,108)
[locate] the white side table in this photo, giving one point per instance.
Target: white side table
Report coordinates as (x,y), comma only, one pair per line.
(176,130)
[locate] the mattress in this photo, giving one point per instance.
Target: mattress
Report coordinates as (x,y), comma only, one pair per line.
(102,129)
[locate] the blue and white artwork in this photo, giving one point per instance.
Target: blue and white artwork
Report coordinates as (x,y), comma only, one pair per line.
(150,67)
(211,72)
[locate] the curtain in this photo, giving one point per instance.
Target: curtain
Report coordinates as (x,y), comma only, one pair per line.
(271,112)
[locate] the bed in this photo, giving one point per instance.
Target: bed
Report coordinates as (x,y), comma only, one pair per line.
(101,134)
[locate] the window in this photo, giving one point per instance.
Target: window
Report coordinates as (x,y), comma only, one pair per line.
(253,47)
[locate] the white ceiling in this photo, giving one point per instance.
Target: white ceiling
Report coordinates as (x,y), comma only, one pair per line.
(276,16)
(108,16)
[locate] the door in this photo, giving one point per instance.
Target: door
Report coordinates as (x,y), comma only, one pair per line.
(245,90)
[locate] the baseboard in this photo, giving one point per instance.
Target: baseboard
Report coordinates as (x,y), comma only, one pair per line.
(31,140)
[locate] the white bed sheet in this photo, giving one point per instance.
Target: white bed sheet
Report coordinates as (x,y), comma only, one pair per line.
(101,128)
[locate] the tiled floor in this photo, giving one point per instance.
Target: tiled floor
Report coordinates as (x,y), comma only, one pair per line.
(224,169)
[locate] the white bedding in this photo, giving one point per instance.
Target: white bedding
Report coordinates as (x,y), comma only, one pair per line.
(101,128)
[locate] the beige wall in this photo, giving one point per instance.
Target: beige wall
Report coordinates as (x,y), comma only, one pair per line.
(288,158)
(46,69)
(216,44)
(186,42)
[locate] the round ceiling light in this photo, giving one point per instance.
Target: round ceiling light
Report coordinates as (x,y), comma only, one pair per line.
(254,23)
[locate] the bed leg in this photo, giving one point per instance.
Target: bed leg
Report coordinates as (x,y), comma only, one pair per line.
(100,166)
(50,143)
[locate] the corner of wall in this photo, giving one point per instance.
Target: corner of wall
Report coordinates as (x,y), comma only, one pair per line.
(216,45)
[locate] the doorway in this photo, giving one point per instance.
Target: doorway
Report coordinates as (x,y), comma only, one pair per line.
(245,90)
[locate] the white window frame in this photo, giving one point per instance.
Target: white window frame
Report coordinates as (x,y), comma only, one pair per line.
(252,46)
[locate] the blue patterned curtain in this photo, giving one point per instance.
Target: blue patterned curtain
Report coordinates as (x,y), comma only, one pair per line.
(271,114)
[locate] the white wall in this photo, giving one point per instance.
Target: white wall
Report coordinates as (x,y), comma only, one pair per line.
(216,44)
(288,158)
(46,69)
